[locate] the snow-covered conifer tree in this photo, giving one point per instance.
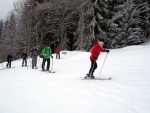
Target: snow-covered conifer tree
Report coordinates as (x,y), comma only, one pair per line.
(96,24)
(144,14)
(128,20)
(9,41)
(1,26)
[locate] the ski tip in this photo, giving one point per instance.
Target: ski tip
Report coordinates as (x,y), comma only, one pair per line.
(52,71)
(109,78)
(85,77)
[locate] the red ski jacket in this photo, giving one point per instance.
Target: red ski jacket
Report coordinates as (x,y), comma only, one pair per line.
(96,51)
(57,50)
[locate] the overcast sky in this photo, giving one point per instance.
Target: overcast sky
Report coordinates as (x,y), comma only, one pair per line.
(6,6)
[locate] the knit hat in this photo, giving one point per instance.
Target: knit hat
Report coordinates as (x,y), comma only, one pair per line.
(48,44)
(100,43)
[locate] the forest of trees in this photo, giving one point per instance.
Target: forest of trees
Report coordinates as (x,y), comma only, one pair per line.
(74,24)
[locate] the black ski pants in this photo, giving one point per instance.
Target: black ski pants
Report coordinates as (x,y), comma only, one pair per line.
(48,64)
(24,60)
(9,63)
(57,55)
(93,67)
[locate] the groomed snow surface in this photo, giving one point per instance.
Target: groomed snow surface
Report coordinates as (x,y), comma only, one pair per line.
(26,90)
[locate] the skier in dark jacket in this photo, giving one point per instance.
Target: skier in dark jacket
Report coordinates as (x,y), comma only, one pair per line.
(9,59)
(24,58)
(94,56)
(34,55)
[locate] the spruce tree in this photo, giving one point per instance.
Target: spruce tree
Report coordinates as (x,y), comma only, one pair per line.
(9,40)
(128,20)
(1,26)
(97,24)
(143,8)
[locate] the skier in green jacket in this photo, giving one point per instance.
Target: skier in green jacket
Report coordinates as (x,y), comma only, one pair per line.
(47,53)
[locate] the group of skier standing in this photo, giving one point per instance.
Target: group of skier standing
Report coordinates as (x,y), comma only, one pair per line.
(34,53)
(46,54)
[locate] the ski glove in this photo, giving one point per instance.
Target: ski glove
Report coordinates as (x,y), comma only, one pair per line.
(107,51)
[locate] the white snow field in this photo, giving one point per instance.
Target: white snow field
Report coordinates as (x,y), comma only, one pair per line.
(26,90)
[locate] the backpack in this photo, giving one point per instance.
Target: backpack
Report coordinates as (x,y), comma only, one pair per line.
(41,55)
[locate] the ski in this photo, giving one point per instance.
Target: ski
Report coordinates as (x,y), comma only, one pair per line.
(48,71)
(42,70)
(36,68)
(8,67)
(88,78)
(51,71)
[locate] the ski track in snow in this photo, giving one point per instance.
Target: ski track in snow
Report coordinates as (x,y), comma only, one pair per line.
(26,90)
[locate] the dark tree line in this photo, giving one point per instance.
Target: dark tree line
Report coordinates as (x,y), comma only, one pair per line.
(75,24)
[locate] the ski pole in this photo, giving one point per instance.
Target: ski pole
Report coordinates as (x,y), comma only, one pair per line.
(39,61)
(13,64)
(52,67)
(31,61)
(2,66)
(103,64)
(28,62)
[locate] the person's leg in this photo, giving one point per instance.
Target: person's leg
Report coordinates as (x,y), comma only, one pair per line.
(48,64)
(59,55)
(32,63)
(10,63)
(23,62)
(92,69)
(7,63)
(92,66)
(56,55)
(43,64)
(35,62)
(95,66)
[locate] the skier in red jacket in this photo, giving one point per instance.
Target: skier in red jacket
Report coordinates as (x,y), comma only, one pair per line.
(94,56)
(57,50)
